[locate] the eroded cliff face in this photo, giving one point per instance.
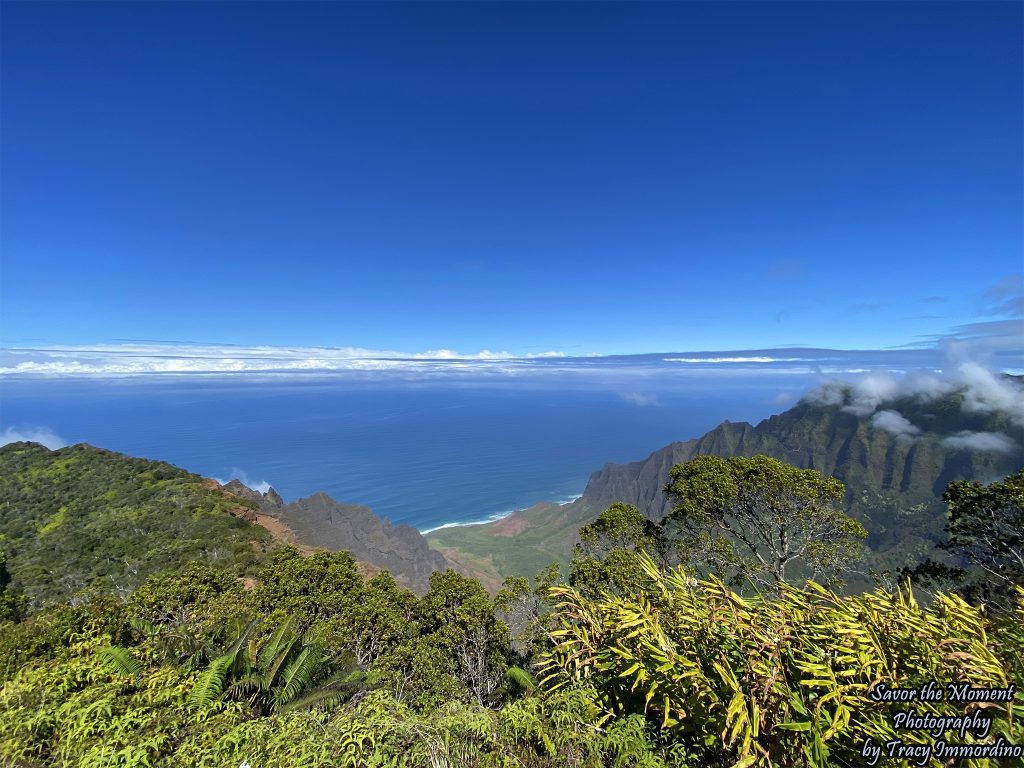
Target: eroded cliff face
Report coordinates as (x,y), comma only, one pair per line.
(640,482)
(320,521)
(832,441)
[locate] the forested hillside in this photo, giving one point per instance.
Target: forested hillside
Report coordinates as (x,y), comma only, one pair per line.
(84,517)
(628,662)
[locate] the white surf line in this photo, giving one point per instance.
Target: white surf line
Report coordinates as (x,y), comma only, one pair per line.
(495,517)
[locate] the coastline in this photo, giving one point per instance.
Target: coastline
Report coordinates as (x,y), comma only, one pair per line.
(497,516)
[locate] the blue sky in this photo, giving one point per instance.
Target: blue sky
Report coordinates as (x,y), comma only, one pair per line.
(581,178)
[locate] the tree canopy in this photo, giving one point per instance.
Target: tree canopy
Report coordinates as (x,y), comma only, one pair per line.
(986,526)
(759,520)
(605,558)
(985,540)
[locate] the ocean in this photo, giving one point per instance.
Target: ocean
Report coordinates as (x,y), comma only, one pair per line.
(425,453)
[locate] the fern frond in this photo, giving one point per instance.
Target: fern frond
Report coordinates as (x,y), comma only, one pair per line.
(144,627)
(298,675)
(210,684)
(249,683)
(521,678)
(277,648)
(321,698)
(121,661)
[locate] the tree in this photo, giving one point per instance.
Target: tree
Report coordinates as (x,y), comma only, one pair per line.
(418,671)
(985,526)
(458,615)
(381,620)
(174,597)
(526,611)
(13,605)
(760,521)
(606,557)
(313,589)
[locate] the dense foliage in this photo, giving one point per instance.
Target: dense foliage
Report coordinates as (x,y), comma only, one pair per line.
(305,662)
(84,517)
(683,673)
(783,681)
(982,556)
(314,666)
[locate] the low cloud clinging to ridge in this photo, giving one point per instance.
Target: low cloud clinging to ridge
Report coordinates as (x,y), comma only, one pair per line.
(865,395)
(42,435)
(987,394)
(895,423)
(981,441)
(984,392)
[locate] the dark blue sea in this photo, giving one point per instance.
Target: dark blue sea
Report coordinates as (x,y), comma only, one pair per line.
(423,453)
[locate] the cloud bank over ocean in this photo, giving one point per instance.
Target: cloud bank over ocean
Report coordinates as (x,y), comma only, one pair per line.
(640,399)
(184,359)
(137,359)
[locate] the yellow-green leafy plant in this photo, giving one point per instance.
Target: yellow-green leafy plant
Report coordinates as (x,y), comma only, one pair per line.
(784,681)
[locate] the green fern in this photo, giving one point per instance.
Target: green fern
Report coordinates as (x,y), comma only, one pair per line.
(210,684)
(121,661)
(521,678)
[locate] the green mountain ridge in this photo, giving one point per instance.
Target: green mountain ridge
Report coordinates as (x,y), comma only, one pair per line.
(893,481)
(83,517)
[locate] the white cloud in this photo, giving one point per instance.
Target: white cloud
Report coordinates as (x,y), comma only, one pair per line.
(783,398)
(983,390)
(863,396)
(927,386)
(985,393)
(755,359)
(639,399)
(237,474)
(870,392)
(828,394)
(981,441)
(895,423)
(133,359)
(42,435)
(451,354)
